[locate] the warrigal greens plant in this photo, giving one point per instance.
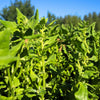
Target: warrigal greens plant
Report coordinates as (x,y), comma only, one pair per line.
(40,61)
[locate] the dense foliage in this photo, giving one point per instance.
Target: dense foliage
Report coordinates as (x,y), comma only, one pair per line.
(9,13)
(93,17)
(48,62)
(69,19)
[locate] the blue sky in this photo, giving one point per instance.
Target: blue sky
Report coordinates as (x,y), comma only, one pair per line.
(62,7)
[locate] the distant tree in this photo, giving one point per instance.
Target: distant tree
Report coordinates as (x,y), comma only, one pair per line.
(94,16)
(60,20)
(75,20)
(68,20)
(95,19)
(85,17)
(90,18)
(51,17)
(9,13)
(99,15)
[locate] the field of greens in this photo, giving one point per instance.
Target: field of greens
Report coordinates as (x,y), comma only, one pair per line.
(48,62)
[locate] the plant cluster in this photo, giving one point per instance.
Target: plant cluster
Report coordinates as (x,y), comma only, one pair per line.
(48,62)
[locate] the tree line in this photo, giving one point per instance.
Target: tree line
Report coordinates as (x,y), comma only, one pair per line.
(8,14)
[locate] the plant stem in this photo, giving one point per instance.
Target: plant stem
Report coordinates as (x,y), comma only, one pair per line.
(43,72)
(10,83)
(43,66)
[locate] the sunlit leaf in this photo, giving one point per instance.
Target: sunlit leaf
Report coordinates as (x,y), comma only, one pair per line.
(15,82)
(82,93)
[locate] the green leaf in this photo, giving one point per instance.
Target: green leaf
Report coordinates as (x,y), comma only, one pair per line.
(5,98)
(83,46)
(33,75)
(64,28)
(30,92)
(4,40)
(37,15)
(21,18)
(19,93)
(14,50)
(2,85)
(15,82)
(30,95)
(30,89)
(34,20)
(33,36)
(12,26)
(88,74)
(5,56)
(51,40)
(52,23)
(82,93)
(94,58)
(19,90)
(53,68)
(4,60)
(43,21)
(51,59)
(42,92)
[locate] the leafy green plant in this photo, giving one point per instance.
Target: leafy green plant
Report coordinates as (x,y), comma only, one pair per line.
(42,62)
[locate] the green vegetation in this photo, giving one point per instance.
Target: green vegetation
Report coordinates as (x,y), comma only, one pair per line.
(40,61)
(9,13)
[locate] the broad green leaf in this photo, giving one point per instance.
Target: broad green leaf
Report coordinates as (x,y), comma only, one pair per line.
(5,98)
(34,20)
(51,40)
(51,59)
(5,56)
(14,50)
(32,23)
(4,39)
(33,75)
(15,82)
(88,74)
(21,18)
(12,26)
(4,52)
(82,93)
(94,58)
